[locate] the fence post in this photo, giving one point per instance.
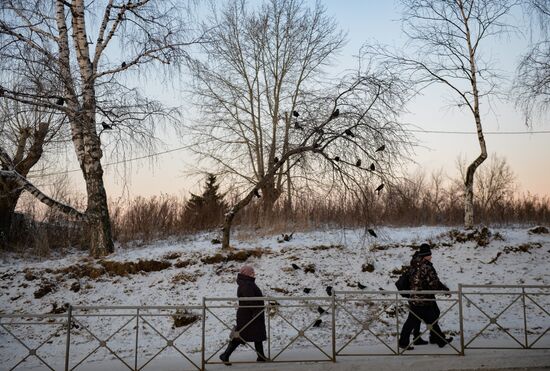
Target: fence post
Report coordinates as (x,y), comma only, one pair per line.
(397,321)
(203,342)
(333,304)
(524,317)
(137,334)
(68,345)
(461,319)
(268,330)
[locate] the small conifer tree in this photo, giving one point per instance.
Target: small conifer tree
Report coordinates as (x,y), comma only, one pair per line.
(206,210)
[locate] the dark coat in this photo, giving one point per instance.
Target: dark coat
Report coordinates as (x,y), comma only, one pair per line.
(255,330)
(424,277)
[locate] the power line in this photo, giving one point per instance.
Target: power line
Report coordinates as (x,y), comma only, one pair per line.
(484,133)
(119,162)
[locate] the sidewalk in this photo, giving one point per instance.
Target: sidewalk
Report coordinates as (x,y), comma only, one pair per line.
(512,360)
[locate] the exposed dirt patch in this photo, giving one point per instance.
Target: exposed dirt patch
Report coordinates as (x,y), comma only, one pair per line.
(172,255)
(522,248)
(481,236)
(309,268)
(115,268)
(183,277)
(184,318)
(234,255)
(81,270)
(367,267)
(539,230)
(326,247)
(183,263)
(58,310)
(280,290)
(112,268)
(45,288)
(29,275)
(75,287)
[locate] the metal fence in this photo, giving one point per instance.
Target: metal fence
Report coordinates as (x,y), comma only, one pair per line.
(348,323)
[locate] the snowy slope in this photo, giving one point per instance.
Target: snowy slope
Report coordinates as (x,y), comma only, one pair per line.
(336,256)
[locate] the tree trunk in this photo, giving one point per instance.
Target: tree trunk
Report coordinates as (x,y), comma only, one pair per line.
(7,208)
(100,238)
(270,195)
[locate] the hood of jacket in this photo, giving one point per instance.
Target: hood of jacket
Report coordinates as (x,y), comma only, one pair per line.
(243,280)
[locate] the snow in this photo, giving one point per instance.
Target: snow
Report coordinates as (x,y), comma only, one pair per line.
(337,255)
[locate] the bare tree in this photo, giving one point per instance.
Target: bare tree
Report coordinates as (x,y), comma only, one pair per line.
(64,38)
(346,135)
(446,39)
(532,85)
(495,183)
(27,131)
(250,84)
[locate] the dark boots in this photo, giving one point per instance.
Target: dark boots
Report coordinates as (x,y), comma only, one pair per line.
(233,344)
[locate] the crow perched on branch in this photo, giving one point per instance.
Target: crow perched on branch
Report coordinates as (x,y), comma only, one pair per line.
(372,167)
(379,188)
(349,132)
(106,126)
(60,101)
(123,65)
(256,193)
(335,114)
(358,163)
(295,114)
(337,158)
(381,148)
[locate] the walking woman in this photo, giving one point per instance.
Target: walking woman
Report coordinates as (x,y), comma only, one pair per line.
(250,317)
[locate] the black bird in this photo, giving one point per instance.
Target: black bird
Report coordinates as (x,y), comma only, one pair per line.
(381,148)
(287,237)
(320,131)
(349,132)
(295,266)
(321,310)
(362,287)
(106,126)
(276,159)
(329,290)
(297,126)
(307,290)
(335,114)
(379,188)
(256,193)
(372,167)
(337,158)
(123,64)
(358,163)
(295,113)
(60,101)
(318,323)
(372,233)
(1,92)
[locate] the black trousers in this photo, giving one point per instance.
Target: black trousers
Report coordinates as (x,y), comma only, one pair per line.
(429,315)
(234,343)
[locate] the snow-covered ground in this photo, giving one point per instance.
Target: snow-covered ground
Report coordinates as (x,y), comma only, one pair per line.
(182,272)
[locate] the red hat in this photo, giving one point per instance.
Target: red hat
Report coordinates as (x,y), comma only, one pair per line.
(247,270)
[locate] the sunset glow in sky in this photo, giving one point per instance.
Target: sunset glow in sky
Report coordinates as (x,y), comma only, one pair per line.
(378,21)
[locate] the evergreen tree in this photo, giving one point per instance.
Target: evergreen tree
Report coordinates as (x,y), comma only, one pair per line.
(206,210)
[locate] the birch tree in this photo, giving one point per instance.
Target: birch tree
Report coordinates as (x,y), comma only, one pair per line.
(88,45)
(446,43)
(532,85)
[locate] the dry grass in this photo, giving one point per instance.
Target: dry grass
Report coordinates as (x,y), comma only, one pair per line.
(410,202)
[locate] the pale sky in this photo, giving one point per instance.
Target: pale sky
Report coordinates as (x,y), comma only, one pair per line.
(528,155)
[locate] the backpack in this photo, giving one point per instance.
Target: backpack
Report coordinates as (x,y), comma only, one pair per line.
(403,283)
